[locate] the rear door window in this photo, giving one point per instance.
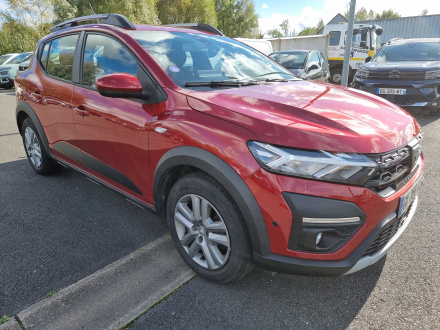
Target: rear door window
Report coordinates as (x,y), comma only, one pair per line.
(60,59)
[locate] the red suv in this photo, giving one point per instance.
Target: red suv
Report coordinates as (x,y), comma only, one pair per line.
(246,162)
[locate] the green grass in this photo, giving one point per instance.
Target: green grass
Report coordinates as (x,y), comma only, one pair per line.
(4,319)
(50,294)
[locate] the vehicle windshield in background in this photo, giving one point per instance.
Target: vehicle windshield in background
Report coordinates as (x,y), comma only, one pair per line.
(20,58)
(290,60)
(193,57)
(4,58)
(420,51)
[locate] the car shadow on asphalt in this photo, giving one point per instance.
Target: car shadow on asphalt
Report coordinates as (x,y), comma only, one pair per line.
(7,91)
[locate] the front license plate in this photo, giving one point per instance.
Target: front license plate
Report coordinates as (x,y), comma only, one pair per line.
(407,199)
(393,91)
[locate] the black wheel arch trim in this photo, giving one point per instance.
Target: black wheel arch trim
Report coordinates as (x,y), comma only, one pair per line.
(23,106)
(227,177)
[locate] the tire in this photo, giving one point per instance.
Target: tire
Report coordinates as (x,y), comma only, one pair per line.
(216,245)
(336,76)
(35,151)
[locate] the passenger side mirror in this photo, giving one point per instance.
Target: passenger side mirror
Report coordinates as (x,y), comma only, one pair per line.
(312,67)
(367,59)
(121,85)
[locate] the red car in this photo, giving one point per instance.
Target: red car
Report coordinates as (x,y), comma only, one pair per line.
(246,162)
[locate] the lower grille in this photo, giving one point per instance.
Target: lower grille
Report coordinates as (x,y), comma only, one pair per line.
(404,99)
(386,234)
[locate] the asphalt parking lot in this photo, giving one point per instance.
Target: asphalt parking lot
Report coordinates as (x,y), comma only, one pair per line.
(56,230)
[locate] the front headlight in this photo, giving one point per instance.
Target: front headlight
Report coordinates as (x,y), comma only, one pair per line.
(4,72)
(432,74)
(362,73)
(348,168)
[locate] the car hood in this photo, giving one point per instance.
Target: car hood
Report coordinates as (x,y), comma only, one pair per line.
(311,115)
(403,65)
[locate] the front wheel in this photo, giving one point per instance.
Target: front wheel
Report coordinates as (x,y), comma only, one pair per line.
(207,229)
(336,75)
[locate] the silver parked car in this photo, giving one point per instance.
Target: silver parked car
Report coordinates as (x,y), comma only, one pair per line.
(306,64)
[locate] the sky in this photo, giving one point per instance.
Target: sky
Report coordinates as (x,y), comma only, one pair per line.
(302,13)
(307,13)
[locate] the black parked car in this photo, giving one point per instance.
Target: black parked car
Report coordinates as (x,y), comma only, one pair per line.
(306,64)
(405,72)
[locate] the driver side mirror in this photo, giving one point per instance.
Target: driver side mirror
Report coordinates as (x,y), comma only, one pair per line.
(367,59)
(121,85)
(312,67)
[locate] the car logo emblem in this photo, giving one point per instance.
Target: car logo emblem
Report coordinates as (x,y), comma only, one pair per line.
(395,74)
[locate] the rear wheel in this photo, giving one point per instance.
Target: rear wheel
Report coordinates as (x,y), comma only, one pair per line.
(35,151)
(207,229)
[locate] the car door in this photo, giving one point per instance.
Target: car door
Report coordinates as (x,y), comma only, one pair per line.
(313,67)
(50,95)
(112,132)
(324,67)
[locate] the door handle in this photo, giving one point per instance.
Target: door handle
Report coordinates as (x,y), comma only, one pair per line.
(81,111)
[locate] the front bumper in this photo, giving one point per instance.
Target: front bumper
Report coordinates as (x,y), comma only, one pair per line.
(424,93)
(371,250)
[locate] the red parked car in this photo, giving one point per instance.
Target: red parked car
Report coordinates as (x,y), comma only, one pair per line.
(245,161)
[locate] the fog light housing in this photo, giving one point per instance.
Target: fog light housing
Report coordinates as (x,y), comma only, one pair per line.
(319,238)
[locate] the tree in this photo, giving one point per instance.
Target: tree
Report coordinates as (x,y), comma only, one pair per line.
(308,31)
(387,14)
(361,15)
(424,12)
(275,33)
(284,27)
(187,11)
(16,37)
(237,18)
(139,12)
(37,14)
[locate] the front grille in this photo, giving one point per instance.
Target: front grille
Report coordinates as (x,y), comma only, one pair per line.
(396,75)
(395,168)
(386,234)
(404,99)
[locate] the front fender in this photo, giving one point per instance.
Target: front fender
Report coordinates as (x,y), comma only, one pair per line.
(227,177)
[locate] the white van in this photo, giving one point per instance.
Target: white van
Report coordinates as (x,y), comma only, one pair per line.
(263,46)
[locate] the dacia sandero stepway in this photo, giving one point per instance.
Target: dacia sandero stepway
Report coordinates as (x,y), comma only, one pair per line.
(246,162)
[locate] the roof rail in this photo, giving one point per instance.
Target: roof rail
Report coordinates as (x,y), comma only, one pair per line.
(199,27)
(111,19)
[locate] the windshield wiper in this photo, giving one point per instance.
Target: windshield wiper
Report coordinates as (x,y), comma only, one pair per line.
(275,72)
(277,80)
(214,83)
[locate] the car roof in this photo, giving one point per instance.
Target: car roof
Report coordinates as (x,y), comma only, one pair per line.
(410,41)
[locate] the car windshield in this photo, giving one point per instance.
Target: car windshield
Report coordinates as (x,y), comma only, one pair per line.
(290,60)
(4,58)
(194,57)
(20,58)
(415,51)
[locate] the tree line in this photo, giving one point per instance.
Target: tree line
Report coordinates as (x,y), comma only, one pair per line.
(24,22)
(361,15)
